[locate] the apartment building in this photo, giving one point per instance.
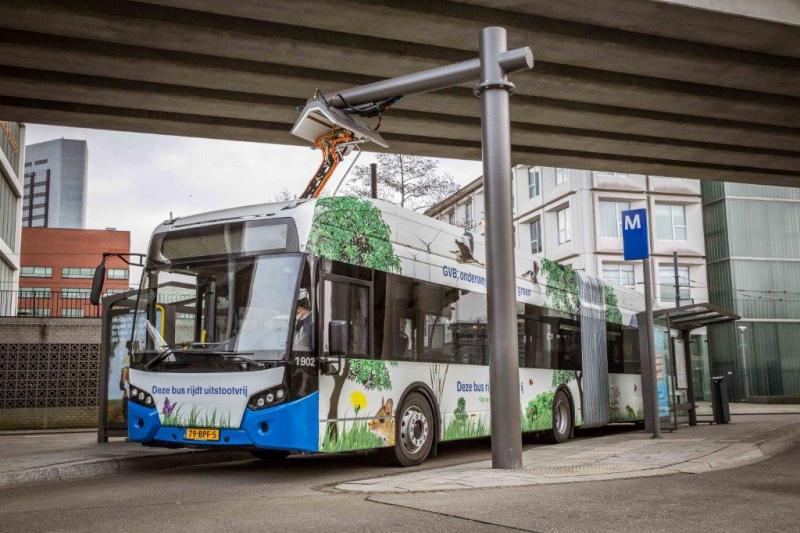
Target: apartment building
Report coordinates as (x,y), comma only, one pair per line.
(573,217)
(12,156)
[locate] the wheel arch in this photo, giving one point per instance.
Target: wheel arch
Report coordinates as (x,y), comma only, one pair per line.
(425,390)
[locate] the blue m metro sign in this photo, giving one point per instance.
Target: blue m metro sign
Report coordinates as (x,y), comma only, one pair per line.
(634,234)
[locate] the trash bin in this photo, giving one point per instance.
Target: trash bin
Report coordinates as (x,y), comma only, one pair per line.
(719,396)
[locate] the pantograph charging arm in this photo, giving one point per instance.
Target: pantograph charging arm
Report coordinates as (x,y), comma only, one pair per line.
(331,157)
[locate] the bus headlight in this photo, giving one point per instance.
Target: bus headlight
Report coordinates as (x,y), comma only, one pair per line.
(267,398)
(141,397)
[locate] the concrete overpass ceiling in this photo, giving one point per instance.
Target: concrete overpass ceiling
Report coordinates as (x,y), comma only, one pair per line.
(643,86)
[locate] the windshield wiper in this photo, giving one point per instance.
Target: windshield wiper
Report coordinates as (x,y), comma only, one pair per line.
(229,355)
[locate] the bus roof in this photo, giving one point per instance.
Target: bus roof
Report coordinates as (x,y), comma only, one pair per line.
(424,248)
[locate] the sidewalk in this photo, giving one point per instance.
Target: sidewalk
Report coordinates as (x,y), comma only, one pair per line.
(51,456)
(698,449)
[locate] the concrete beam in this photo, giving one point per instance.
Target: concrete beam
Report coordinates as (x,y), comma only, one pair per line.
(294,46)
(89,90)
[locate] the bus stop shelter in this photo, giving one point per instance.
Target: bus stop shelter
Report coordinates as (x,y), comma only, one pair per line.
(673,360)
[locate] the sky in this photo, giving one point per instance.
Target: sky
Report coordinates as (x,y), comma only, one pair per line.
(136,180)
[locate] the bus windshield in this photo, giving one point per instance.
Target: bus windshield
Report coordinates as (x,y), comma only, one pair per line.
(218,313)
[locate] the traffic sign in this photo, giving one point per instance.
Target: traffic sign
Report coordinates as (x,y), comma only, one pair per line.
(634,234)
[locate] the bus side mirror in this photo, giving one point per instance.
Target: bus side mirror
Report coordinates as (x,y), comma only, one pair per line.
(337,337)
(97,283)
(337,346)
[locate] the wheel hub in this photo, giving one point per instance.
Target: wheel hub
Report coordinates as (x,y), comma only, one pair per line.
(413,429)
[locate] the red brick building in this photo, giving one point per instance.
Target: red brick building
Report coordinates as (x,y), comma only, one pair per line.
(57,267)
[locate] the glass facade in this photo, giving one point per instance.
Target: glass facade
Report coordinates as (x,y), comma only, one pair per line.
(754,270)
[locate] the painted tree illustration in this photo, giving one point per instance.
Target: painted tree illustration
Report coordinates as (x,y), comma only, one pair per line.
(563,377)
(613,313)
(438,375)
(352,230)
(369,373)
(408,181)
(561,287)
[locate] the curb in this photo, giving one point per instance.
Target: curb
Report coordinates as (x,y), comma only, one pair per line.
(733,455)
(117,465)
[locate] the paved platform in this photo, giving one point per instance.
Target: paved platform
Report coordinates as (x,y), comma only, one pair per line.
(698,449)
(34,457)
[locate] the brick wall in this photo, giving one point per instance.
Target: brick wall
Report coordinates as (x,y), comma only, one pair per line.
(49,372)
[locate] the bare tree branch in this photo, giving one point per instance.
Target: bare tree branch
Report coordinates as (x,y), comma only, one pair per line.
(408,181)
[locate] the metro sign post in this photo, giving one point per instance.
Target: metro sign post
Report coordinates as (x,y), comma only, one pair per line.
(635,245)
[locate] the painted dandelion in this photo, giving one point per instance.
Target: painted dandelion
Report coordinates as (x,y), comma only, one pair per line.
(359,401)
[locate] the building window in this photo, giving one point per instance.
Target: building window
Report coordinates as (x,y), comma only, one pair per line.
(468,214)
(35,292)
(77,272)
(619,274)
(561,176)
(112,292)
(670,222)
(36,272)
(72,313)
(451,217)
(117,273)
(75,293)
(564,225)
(40,162)
(611,217)
(536,236)
(28,164)
(534,180)
(30,311)
(666,278)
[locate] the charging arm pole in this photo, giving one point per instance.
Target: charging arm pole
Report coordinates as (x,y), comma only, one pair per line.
(490,71)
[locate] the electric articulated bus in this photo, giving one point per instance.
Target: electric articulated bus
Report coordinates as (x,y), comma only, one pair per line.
(342,323)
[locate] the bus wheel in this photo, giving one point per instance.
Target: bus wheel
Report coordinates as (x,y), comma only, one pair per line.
(562,419)
(415,430)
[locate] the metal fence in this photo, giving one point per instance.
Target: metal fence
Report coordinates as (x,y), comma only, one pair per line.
(43,304)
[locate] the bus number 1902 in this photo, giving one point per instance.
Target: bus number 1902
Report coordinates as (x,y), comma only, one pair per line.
(305,361)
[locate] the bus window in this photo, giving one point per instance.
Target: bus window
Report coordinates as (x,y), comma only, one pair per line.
(436,308)
(359,320)
(348,302)
(396,317)
(614,348)
(630,351)
(569,345)
(469,329)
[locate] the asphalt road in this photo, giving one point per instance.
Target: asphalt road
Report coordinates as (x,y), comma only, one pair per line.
(295,495)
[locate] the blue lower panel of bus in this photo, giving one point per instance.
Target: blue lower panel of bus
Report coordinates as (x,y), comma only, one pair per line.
(290,426)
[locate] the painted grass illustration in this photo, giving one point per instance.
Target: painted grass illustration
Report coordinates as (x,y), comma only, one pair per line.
(617,415)
(197,418)
(357,436)
(538,414)
(465,425)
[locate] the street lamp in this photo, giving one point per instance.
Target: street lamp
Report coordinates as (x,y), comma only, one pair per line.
(742,350)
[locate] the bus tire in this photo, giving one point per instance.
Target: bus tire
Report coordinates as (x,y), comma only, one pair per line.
(562,419)
(415,429)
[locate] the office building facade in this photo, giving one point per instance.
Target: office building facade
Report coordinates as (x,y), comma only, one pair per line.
(573,217)
(12,155)
(754,270)
(58,266)
(55,184)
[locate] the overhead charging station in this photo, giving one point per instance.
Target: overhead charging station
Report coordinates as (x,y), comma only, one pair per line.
(332,122)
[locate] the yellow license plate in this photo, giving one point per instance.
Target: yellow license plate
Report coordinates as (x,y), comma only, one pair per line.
(202,434)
